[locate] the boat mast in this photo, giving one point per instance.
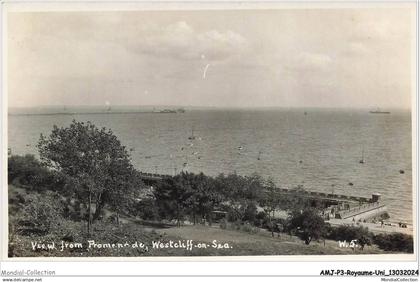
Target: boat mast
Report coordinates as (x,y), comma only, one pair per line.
(362,161)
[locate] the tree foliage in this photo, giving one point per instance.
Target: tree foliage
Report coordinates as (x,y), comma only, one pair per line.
(27,171)
(395,242)
(95,162)
(307,224)
(240,194)
(270,201)
(187,194)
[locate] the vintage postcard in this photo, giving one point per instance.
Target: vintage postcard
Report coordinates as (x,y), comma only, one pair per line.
(239,130)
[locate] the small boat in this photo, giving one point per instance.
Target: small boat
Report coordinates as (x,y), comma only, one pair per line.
(192,137)
(379,111)
(240,148)
(167,111)
(362,160)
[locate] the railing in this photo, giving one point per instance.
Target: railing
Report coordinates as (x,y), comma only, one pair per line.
(360,209)
(330,196)
(154,175)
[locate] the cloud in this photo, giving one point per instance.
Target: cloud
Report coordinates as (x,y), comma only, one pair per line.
(306,61)
(179,40)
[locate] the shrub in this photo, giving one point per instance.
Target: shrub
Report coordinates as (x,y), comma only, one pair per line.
(28,171)
(223,224)
(41,214)
(250,213)
(261,219)
(249,229)
(147,209)
(24,169)
(394,242)
(348,233)
(384,216)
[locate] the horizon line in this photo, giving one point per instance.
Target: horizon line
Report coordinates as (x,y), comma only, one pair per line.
(213,107)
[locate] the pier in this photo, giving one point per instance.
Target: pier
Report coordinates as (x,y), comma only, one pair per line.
(151,178)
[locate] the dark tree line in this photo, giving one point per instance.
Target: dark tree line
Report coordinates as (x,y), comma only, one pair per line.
(250,199)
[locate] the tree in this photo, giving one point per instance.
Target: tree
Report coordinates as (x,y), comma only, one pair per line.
(187,194)
(293,200)
(269,201)
(307,224)
(122,199)
(202,195)
(171,195)
(94,159)
(239,192)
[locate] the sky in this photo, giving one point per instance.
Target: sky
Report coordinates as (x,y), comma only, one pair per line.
(353,58)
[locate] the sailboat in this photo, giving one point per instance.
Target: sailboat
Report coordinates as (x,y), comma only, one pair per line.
(192,137)
(362,160)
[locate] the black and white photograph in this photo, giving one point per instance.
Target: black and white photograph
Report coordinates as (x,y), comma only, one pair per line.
(236,132)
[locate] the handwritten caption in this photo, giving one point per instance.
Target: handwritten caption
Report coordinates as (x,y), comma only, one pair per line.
(188,245)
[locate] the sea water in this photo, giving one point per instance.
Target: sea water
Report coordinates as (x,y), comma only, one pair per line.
(318,149)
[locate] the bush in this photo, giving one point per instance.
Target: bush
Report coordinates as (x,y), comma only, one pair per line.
(250,213)
(24,170)
(147,209)
(384,216)
(223,224)
(261,219)
(28,171)
(41,214)
(249,229)
(239,226)
(348,233)
(394,242)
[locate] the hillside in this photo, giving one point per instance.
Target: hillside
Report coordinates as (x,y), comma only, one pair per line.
(24,238)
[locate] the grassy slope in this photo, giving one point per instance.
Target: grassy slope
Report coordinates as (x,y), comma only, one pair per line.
(258,244)
(241,243)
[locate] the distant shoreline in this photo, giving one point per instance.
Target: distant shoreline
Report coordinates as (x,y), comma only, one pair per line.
(86,113)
